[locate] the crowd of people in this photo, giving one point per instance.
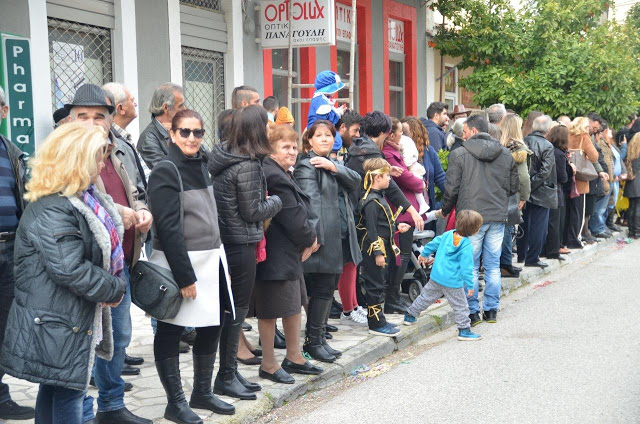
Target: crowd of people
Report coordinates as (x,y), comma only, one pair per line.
(269,222)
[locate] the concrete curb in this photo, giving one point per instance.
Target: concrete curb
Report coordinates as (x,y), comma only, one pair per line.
(374,348)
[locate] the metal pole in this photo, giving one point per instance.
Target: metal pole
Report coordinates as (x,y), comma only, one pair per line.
(352,53)
(442,68)
(290,58)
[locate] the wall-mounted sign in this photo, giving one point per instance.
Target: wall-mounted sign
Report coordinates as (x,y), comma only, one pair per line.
(396,36)
(313,23)
(343,22)
(15,73)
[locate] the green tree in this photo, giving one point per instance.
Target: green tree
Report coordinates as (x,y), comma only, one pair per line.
(556,56)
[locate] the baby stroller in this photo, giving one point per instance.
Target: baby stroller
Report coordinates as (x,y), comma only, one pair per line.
(416,277)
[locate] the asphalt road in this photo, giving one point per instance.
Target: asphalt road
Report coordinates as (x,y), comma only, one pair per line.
(568,352)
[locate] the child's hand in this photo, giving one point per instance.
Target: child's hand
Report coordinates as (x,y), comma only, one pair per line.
(424,260)
(403,227)
(470,293)
(439,214)
(380,261)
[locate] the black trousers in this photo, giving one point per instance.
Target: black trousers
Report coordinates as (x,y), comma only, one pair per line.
(375,279)
(536,221)
(590,204)
(633,216)
(7,290)
(573,221)
(405,243)
(166,342)
(554,233)
(242,267)
(321,286)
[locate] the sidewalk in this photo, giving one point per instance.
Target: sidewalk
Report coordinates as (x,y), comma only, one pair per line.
(148,398)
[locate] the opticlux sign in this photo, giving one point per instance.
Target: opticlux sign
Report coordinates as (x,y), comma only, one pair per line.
(15,77)
(313,23)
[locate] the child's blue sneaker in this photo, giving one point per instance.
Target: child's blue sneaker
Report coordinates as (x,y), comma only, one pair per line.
(466,335)
(386,330)
(409,319)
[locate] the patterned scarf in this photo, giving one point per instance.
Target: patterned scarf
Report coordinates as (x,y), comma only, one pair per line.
(117,254)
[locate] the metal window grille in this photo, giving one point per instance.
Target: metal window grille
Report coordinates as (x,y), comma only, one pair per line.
(203,80)
(78,54)
(205,4)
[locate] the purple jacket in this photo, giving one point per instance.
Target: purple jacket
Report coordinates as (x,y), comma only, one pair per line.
(409,184)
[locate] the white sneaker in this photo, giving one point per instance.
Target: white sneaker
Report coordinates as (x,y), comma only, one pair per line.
(353,319)
(362,312)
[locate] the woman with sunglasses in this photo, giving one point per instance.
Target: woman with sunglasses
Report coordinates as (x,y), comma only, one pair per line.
(243,205)
(190,246)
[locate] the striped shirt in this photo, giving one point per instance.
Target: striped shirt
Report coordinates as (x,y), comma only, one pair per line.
(8,206)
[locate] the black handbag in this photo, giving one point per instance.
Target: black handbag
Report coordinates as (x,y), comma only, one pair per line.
(514,217)
(153,288)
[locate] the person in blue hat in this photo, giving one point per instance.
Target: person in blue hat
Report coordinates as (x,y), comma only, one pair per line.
(327,84)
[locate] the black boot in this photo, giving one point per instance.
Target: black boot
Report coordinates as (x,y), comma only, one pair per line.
(316,314)
(201,397)
(329,349)
(394,302)
(177,409)
(226,382)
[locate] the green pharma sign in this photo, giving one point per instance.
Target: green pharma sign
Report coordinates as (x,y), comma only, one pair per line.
(15,78)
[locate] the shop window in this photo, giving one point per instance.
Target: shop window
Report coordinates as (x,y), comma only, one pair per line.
(396,89)
(280,63)
(78,54)
(344,61)
(450,86)
(203,81)
(204,4)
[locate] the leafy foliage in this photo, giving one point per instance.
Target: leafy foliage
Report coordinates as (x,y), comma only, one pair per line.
(443,157)
(556,56)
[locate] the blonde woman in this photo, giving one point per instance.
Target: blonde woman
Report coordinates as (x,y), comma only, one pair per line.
(512,139)
(579,139)
(632,186)
(68,260)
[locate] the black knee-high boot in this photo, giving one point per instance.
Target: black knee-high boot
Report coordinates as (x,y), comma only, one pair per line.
(202,397)
(313,343)
(329,349)
(227,382)
(177,409)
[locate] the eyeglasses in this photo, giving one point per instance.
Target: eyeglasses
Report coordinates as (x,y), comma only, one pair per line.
(186,132)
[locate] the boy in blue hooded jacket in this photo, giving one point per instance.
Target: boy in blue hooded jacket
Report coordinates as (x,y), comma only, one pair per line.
(451,273)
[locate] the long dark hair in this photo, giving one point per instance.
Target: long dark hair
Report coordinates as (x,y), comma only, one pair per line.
(559,137)
(248,135)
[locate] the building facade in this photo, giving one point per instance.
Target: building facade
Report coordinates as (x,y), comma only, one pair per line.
(211,46)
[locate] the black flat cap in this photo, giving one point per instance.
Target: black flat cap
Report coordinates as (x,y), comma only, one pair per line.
(89,95)
(60,114)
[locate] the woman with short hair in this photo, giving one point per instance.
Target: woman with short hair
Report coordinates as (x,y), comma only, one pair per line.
(290,239)
(68,263)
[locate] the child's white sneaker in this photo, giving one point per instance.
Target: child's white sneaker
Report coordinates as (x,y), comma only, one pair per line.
(354,319)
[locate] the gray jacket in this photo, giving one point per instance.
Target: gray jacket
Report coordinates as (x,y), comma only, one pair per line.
(62,257)
(16,157)
(542,170)
(321,187)
(481,177)
(153,143)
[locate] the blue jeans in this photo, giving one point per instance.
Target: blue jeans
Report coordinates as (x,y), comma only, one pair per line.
(107,374)
(615,189)
(154,325)
(59,405)
(598,219)
(506,257)
(488,244)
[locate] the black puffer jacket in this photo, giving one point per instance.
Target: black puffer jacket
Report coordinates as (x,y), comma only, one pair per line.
(62,255)
(481,177)
(542,170)
(240,189)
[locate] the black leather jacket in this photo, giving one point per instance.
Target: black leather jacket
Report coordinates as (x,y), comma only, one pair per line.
(542,170)
(321,187)
(240,189)
(153,144)
(61,275)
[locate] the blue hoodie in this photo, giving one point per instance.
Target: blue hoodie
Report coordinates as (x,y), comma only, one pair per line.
(453,266)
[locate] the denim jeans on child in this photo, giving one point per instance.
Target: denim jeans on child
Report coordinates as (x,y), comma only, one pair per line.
(487,243)
(107,374)
(59,405)
(598,219)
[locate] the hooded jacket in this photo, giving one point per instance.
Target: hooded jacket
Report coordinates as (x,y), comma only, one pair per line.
(544,190)
(453,266)
(481,177)
(240,190)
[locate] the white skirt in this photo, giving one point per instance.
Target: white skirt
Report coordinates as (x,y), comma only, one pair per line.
(204,310)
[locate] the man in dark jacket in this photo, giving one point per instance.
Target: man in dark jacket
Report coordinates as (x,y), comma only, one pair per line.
(167,100)
(376,126)
(481,176)
(12,204)
(436,117)
(544,194)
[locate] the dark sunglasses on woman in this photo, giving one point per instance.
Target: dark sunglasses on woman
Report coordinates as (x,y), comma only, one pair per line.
(186,132)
